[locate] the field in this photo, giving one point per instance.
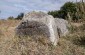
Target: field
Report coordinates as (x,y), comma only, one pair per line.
(10,44)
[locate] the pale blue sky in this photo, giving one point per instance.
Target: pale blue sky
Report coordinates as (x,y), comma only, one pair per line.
(14,7)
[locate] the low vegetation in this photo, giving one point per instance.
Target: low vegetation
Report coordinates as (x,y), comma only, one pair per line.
(72,44)
(19,17)
(70,10)
(10,44)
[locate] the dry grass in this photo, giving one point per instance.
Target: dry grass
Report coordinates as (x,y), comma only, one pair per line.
(72,44)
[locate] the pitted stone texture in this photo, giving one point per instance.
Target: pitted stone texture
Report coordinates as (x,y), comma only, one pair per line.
(37,23)
(62,26)
(32,28)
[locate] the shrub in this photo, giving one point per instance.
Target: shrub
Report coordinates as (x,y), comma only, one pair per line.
(10,18)
(20,16)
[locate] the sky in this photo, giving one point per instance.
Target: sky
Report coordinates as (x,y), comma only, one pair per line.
(15,7)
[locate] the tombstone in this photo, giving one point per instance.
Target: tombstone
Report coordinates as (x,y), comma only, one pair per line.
(36,23)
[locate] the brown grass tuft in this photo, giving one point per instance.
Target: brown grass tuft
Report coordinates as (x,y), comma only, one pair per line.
(72,44)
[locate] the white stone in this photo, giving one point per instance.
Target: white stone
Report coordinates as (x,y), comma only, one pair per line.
(39,20)
(62,26)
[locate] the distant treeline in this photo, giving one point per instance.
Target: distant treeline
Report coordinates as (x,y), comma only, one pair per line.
(70,10)
(19,17)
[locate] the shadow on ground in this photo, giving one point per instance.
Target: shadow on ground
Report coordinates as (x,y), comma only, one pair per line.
(79,41)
